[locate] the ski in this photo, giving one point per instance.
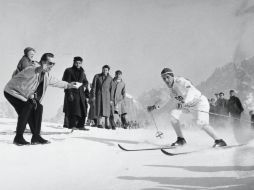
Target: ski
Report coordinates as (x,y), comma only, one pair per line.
(194,151)
(145,149)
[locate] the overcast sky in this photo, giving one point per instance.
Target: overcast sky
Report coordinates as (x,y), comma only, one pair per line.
(139,37)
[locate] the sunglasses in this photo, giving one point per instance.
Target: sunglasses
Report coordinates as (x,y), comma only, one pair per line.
(51,63)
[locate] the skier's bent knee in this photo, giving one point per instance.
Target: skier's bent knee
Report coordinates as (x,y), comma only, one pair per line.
(201,124)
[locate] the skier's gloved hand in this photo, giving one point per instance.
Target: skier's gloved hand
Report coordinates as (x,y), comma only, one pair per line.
(179,106)
(151,108)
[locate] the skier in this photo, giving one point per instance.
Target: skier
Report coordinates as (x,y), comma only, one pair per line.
(184,95)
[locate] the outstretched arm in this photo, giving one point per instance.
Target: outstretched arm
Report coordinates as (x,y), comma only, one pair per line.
(54,82)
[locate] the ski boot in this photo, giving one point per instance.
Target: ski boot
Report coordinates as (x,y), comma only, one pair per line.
(219,143)
(179,142)
(20,141)
(37,139)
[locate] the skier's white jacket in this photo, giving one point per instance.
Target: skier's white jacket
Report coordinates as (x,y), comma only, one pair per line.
(183,92)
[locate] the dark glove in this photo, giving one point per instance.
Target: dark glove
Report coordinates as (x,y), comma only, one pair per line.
(151,108)
(179,106)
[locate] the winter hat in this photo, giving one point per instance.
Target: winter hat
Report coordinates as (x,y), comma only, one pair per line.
(118,72)
(26,50)
(77,59)
(167,71)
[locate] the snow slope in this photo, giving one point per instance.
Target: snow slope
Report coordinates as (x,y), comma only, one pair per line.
(91,160)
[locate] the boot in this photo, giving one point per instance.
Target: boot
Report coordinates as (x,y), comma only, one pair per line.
(83,129)
(219,143)
(99,126)
(37,139)
(107,127)
(20,141)
(179,142)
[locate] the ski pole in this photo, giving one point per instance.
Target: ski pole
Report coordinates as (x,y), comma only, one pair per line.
(158,133)
(189,108)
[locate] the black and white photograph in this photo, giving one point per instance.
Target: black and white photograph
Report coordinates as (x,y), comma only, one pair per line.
(127,94)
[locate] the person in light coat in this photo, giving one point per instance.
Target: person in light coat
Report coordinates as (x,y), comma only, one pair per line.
(25,92)
(118,94)
(100,95)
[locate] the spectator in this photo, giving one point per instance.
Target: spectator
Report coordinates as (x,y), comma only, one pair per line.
(118,99)
(235,108)
(222,109)
(100,94)
(26,60)
(216,97)
(75,100)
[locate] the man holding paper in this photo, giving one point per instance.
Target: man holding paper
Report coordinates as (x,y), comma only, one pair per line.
(75,100)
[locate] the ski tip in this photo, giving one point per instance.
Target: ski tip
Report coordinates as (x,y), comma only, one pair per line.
(167,153)
(121,147)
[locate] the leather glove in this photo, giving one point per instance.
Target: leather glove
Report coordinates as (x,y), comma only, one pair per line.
(151,108)
(179,106)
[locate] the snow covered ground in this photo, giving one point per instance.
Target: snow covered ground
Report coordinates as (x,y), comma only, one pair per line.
(91,160)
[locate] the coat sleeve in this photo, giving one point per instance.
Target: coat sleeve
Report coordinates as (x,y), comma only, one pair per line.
(23,63)
(162,100)
(186,85)
(85,81)
(124,92)
(112,89)
(93,89)
(85,85)
(66,76)
(239,104)
(54,82)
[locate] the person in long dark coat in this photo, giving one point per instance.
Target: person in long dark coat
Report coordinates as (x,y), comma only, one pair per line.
(75,100)
(235,108)
(100,94)
(222,109)
(118,94)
